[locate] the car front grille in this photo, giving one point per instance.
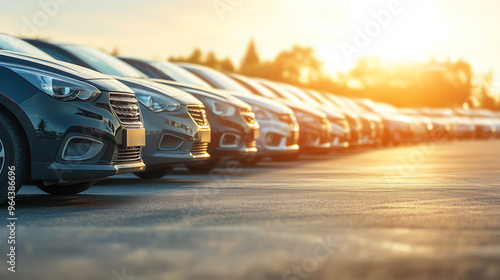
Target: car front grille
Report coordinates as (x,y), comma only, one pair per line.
(248,115)
(293,139)
(199,115)
(250,141)
(126,108)
(199,149)
(128,154)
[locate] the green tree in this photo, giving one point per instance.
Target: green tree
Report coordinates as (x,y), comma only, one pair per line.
(211,60)
(195,56)
(226,65)
(251,59)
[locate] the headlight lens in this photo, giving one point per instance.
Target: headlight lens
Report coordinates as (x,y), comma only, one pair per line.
(219,108)
(304,117)
(157,103)
(59,87)
(262,114)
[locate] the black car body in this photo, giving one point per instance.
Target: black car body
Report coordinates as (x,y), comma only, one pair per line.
(76,125)
(174,136)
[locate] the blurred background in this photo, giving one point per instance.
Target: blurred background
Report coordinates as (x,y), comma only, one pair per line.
(408,53)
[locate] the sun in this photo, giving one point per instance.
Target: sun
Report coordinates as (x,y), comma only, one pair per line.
(412,34)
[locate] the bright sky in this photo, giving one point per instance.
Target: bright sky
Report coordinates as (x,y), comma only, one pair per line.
(415,31)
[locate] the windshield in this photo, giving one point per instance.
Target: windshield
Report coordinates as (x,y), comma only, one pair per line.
(103,62)
(9,43)
(180,74)
(219,80)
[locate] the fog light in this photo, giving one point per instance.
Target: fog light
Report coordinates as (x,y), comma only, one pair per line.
(170,142)
(273,139)
(81,148)
(230,140)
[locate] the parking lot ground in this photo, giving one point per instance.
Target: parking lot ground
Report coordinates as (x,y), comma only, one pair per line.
(430,211)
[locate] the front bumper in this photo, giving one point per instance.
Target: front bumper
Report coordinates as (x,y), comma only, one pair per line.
(174,138)
(232,137)
(55,124)
(277,138)
(314,138)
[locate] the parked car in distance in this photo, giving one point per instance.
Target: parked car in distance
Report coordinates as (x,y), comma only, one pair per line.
(443,122)
(398,127)
(425,124)
(487,125)
(464,126)
(315,128)
(340,129)
(176,126)
(372,124)
(64,127)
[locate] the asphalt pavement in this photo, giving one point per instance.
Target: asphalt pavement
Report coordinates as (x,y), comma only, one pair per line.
(429,211)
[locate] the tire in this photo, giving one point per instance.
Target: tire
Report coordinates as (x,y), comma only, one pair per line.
(64,189)
(154,173)
(13,157)
(250,161)
(203,167)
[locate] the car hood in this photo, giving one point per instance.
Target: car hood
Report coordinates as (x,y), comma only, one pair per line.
(204,92)
(265,103)
(397,118)
(142,84)
(304,108)
(330,112)
(57,67)
(371,116)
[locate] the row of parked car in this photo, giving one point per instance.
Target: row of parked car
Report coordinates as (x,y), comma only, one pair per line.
(71,115)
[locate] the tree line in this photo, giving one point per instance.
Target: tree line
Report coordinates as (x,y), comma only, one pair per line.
(430,84)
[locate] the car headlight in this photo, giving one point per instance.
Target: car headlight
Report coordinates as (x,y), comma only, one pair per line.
(262,114)
(157,103)
(304,117)
(219,108)
(59,87)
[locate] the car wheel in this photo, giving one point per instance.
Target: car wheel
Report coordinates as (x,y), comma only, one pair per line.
(64,189)
(13,157)
(250,161)
(203,167)
(154,173)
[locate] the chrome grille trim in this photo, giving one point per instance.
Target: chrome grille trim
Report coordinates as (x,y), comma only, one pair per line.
(126,108)
(128,154)
(199,149)
(199,115)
